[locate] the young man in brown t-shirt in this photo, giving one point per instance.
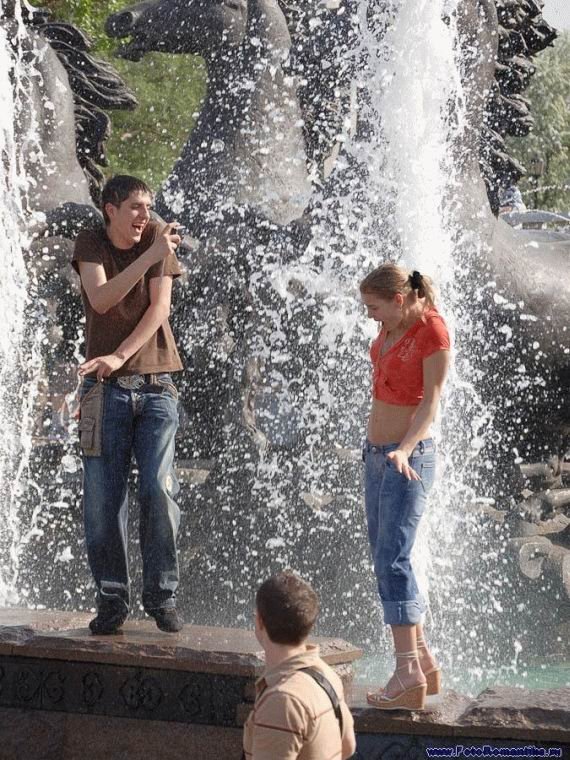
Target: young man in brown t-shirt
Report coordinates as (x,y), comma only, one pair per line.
(129,402)
(299,712)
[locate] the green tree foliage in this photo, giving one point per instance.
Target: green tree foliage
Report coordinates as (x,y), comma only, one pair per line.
(549,142)
(169,88)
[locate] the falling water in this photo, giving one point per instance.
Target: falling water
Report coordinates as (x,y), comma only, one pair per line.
(18,343)
(416,114)
(394,200)
(392,191)
(13,285)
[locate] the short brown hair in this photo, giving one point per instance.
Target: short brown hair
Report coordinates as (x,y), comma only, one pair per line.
(288,607)
(118,188)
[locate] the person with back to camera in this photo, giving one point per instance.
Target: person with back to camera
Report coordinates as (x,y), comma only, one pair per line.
(129,402)
(410,360)
(299,712)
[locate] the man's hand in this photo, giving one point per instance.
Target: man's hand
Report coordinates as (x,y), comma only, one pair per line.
(400,461)
(166,243)
(103,365)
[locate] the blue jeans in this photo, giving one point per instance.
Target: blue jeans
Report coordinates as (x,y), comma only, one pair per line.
(394,506)
(144,424)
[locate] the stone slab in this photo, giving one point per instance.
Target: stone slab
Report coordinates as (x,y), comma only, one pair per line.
(499,713)
(438,720)
(65,636)
(121,691)
(540,713)
(34,735)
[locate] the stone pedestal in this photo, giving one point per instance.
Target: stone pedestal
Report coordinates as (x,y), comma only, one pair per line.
(143,694)
(67,694)
(40,735)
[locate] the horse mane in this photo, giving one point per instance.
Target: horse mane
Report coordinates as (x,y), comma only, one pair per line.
(95,85)
(522,34)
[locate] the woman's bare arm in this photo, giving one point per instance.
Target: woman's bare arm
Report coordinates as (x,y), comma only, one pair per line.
(435,369)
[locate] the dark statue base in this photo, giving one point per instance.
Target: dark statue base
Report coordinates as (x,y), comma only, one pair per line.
(68,695)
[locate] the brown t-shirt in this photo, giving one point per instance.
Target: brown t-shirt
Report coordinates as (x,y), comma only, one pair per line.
(106,332)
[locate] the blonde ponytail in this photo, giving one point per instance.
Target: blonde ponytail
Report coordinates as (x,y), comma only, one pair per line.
(389,279)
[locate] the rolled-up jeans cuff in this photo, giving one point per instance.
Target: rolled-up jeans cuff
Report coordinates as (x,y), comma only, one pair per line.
(404,613)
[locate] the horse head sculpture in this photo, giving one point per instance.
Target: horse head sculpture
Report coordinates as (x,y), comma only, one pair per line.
(245,157)
(200,27)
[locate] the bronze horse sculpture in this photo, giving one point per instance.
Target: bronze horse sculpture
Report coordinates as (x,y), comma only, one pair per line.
(66,121)
(245,182)
(61,129)
(245,179)
(224,171)
(246,153)
(241,185)
(518,276)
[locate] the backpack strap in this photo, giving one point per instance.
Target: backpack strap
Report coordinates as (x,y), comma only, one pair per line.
(326,685)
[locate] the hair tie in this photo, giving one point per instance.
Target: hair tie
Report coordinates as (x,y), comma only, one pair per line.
(416,280)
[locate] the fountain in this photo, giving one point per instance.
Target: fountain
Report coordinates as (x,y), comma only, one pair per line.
(297,178)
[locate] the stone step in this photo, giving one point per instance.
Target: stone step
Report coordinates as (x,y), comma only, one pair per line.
(187,694)
(57,635)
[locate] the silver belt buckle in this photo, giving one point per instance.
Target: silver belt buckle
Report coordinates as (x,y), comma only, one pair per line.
(131,382)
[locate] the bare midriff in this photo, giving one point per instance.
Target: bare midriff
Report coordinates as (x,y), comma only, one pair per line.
(389,423)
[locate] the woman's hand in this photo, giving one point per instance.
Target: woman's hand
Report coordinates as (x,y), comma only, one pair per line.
(103,365)
(399,459)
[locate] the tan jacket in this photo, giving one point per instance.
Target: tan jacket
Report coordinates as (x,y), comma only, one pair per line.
(293,717)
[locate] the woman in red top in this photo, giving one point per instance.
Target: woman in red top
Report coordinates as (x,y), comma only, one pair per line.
(410,358)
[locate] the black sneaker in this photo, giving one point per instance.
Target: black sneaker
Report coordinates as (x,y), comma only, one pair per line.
(167,619)
(110,617)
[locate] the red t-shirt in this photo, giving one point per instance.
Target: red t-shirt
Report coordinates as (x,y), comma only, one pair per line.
(398,375)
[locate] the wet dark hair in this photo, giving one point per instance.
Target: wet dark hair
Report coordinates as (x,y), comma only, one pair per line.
(118,188)
(288,607)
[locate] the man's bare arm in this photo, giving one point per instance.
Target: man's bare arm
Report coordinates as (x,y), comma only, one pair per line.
(160,289)
(103,294)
